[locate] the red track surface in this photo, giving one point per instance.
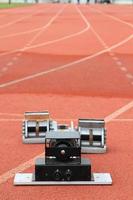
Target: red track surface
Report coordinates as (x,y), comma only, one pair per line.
(75,61)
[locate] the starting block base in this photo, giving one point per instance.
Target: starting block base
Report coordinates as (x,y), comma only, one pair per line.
(28,179)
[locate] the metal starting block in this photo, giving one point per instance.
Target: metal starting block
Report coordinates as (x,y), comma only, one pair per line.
(92,131)
(35,126)
(28,179)
(93,135)
(63,163)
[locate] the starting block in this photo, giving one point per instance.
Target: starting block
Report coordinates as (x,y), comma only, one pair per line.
(92,131)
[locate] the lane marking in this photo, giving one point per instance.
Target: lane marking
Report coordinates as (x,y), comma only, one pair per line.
(130,76)
(119,63)
(35,11)
(58,68)
(52,41)
(115,18)
(116,58)
(9,174)
(9,64)
(24,32)
(62,67)
(45,27)
(123,69)
(4,177)
(66,65)
(119,111)
(37,35)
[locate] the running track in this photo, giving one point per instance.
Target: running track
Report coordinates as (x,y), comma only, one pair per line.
(75,61)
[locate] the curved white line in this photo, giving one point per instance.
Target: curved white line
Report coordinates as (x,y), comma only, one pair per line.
(46,26)
(66,65)
(23,32)
(113,17)
(42,29)
(53,41)
(62,38)
(20,19)
(69,64)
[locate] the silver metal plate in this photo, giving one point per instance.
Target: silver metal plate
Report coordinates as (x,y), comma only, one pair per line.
(27,179)
(33,140)
(94,149)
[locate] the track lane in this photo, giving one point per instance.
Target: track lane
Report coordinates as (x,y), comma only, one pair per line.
(42,73)
(7,44)
(57,36)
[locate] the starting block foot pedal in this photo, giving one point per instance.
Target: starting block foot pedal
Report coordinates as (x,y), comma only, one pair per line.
(28,179)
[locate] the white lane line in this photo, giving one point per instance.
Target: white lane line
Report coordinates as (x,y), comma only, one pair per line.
(130,76)
(123,69)
(119,63)
(9,64)
(35,11)
(52,41)
(43,28)
(21,33)
(115,58)
(58,68)
(9,174)
(4,177)
(38,34)
(67,65)
(114,18)
(119,111)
